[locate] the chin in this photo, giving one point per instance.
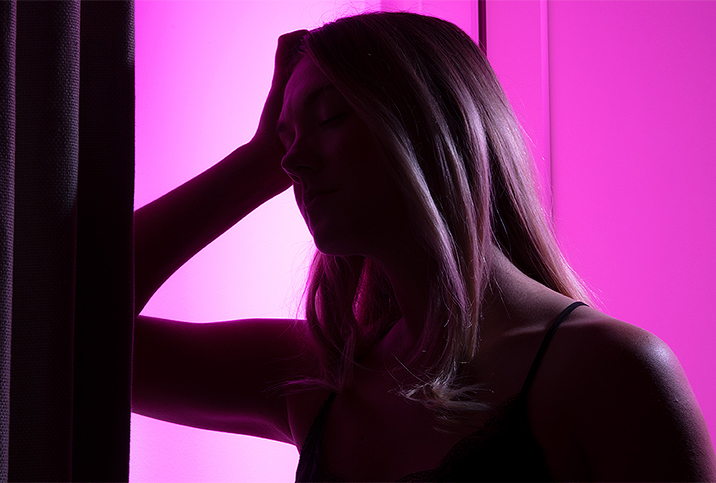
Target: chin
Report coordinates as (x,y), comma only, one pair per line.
(333,244)
(327,239)
(344,238)
(331,247)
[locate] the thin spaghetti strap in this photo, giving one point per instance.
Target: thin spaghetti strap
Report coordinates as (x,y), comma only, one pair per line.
(311,457)
(315,433)
(543,348)
(319,424)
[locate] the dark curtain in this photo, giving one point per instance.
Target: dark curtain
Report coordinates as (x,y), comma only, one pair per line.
(67,134)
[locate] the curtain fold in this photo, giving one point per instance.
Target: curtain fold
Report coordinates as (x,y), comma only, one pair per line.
(7,215)
(68,157)
(46,155)
(104,313)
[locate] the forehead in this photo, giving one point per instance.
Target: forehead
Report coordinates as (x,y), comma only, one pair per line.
(306,83)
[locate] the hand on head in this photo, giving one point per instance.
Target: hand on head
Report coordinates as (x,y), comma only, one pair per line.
(287,46)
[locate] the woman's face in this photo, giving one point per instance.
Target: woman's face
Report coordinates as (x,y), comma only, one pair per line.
(351,204)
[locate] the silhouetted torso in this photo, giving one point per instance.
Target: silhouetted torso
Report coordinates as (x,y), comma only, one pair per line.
(504,449)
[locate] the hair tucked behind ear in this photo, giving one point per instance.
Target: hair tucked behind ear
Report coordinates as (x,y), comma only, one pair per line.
(455,148)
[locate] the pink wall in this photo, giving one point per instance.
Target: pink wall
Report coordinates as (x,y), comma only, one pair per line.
(618,100)
(203,72)
(516,48)
(634,164)
(626,159)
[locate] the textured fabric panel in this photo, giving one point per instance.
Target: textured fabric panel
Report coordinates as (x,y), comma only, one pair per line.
(105,289)
(7,204)
(47,120)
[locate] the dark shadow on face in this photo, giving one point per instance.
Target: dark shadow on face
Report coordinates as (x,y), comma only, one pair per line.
(349,200)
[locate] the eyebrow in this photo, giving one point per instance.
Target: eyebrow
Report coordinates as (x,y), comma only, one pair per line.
(311,98)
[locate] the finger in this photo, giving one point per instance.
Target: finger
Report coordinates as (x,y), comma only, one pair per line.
(288,45)
(288,42)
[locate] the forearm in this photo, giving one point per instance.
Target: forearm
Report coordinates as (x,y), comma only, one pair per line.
(172,229)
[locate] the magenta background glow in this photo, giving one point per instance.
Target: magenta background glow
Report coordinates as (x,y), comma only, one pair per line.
(633,166)
(618,103)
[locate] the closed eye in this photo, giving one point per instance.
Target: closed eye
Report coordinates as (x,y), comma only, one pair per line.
(332,119)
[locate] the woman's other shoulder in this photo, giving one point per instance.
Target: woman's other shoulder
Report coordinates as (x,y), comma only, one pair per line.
(614,398)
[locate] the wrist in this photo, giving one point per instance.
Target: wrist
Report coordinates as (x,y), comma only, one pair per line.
(267,152)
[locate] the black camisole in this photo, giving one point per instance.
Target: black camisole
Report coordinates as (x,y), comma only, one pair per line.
(504,449)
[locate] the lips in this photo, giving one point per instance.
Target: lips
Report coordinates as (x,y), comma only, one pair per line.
(311,195)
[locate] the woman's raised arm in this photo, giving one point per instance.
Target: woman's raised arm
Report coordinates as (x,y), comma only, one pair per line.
(223,376)
(172,229)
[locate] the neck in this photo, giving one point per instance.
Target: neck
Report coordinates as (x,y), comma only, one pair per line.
(410,277)
(409,274)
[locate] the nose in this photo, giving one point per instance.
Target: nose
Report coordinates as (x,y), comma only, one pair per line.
(299,162)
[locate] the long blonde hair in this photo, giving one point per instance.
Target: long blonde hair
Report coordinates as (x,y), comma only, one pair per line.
(456,150)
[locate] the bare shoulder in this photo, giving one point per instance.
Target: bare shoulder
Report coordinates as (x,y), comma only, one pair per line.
(614,398)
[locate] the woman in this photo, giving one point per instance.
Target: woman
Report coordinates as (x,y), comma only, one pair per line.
(446,338)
